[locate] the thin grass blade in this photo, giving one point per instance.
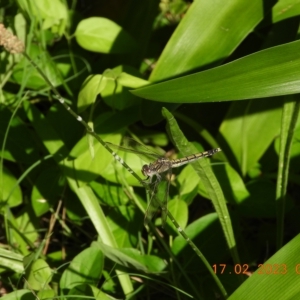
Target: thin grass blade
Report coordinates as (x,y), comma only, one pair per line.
(211,184)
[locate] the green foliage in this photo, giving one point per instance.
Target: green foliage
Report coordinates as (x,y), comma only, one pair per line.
(164,73)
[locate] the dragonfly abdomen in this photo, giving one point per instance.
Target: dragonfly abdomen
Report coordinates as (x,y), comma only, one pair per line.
(182,161)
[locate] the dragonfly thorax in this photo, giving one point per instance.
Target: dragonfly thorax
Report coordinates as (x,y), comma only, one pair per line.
(159,166)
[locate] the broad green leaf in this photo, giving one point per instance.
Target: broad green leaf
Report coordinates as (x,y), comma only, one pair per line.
(20,23)
(22,294)
(125,223)
(47,190)
(109,194)
(131,258)
(46,294)
(103,35)
(87,290)
(24,72)
(53,13)
(208,33)
(116,121)
(16,236)
(90,89)
(46,132)
(278,276)
(271,72)
(131,81)
(94,211)
(19,143)
(27,226)
(179,211)
(116,169)
(206,233)
(65,125)
(87,167)
(255,125)
(231,182)
(11,260)
(116,93)
(9,188)
(261,201)
(86,267)
(188,180)
(284,9)
(38,275)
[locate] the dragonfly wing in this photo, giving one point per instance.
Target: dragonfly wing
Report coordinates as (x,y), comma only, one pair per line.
(147,156)
(164,205)
(158,199)
(154,203)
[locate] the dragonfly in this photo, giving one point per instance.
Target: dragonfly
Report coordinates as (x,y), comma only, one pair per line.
(160,168)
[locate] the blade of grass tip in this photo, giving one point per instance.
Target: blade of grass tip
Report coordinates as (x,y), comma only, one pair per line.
(290,114)
(210,182)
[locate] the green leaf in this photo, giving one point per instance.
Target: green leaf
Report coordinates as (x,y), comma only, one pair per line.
(103,35)
(94,210)
(290,115)
(21,294)
(131,258)
(86,267)
(125,222)
(207,234)
(51,11)
(255,125)
(38,275)
(54,71)
(131,81)
(207,176)
(11,260)
(46,294)
(260,203)
(285,9)
(271,72)
(109,194)
(179,211)
(47,190)
(208,33)
(90,89)
(46,132)
(27,226)
(188,180)
(116,93)
(87,167)
(87,290)
(115,168)
(231,182)
(278,276)
(20,142)
(10,189)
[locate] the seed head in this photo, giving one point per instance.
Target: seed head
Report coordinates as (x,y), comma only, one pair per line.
(9,41)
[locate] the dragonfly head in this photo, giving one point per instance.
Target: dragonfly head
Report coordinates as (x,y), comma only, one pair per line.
(147,171)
